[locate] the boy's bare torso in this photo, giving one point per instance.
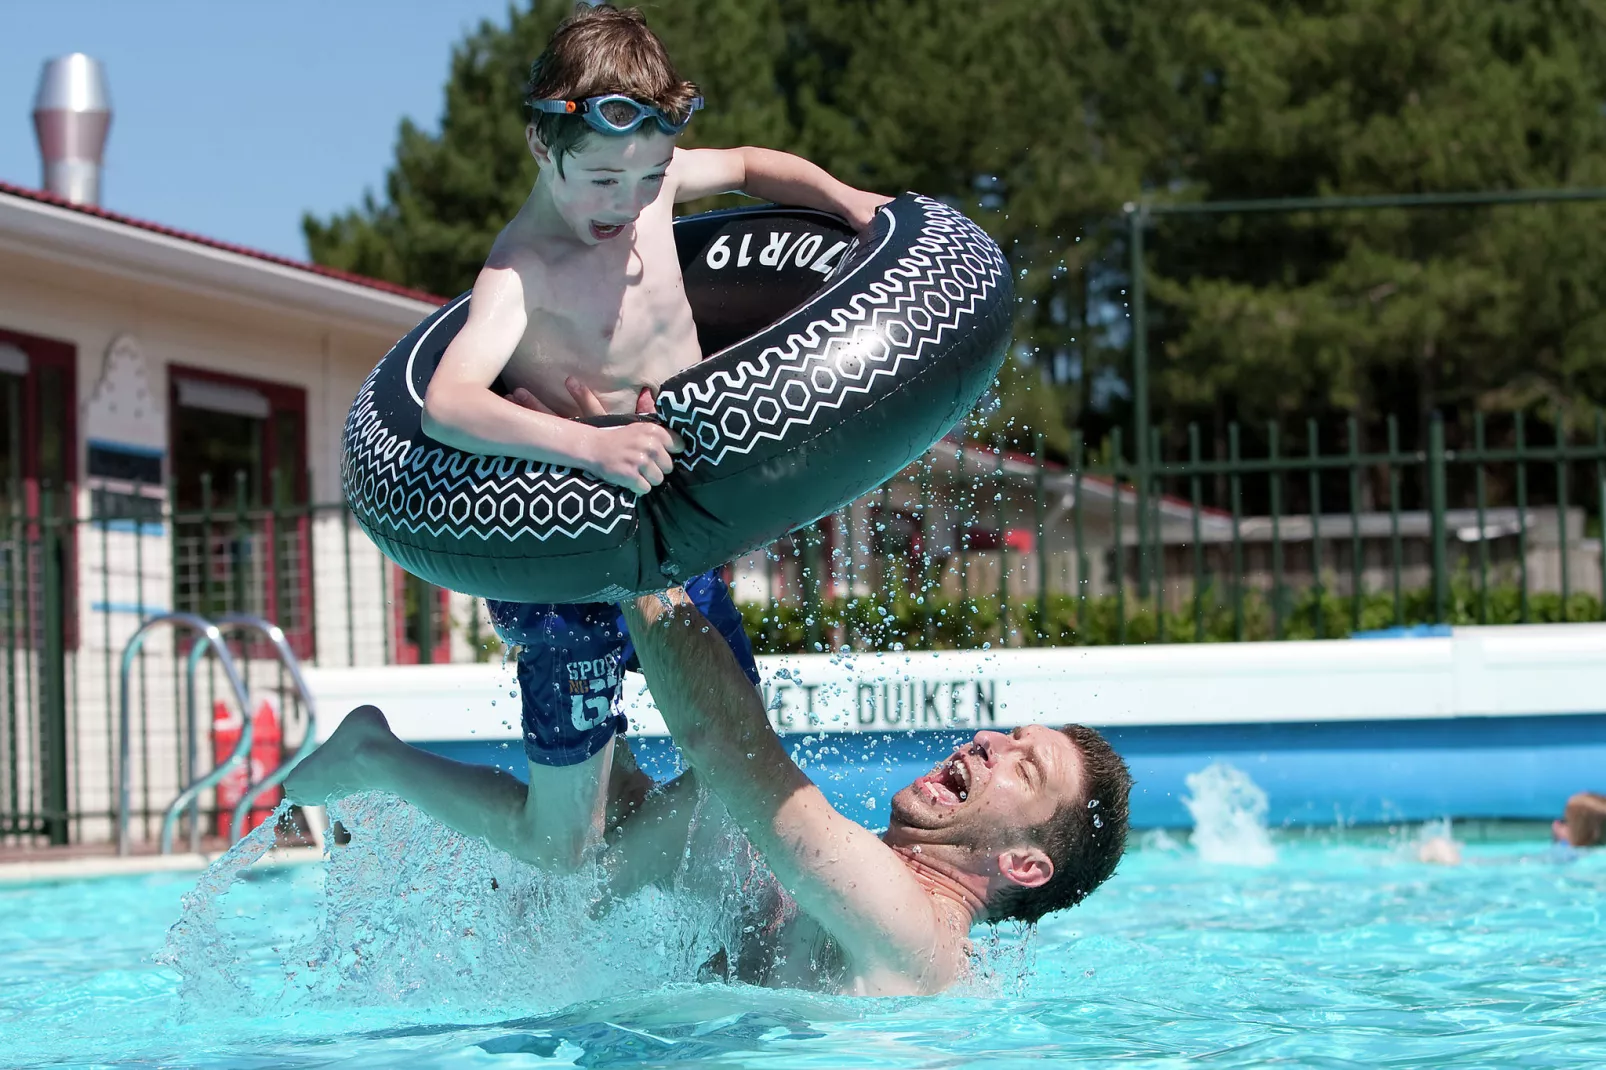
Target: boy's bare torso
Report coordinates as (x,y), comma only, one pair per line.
(612,315)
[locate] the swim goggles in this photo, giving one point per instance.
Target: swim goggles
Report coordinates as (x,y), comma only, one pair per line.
(590,109)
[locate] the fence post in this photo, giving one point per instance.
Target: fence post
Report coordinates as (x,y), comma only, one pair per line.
(1137,218)
(351,620)
(1120,550)
(1157,568)
(1275,493)
(275,596)
(1395,548)
(1039,542)
(1561,510)
(1198,546)
(1522,517)
(1312,437)
(1436,507)
(923,589)
(17,639)
(1357,560)
(1483,536)
(242,540)
(964,633)
(1600,499)
(1078,457)
(1003,544)
(809,560)
(205,595)
(427,600)
(53,673)
(1235,481)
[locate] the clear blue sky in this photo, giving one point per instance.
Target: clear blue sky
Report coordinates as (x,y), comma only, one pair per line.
(231,118)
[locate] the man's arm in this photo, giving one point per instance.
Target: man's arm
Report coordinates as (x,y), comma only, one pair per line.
(461,409)
(771,176)
(838,871)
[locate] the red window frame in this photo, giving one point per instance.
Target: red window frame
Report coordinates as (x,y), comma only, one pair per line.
(62,356)
(282,398)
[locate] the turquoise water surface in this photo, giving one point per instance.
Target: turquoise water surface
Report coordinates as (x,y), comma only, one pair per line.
(1338,953)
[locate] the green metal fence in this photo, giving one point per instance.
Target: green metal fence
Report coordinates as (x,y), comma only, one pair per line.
(1295,538)
(1235,533)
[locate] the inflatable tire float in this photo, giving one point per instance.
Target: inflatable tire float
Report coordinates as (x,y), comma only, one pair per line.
(833,364)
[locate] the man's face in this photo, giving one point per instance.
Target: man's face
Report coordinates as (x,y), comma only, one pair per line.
(607,181)
(991,790)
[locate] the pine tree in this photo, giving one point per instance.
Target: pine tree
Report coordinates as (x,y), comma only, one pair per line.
(1371,312)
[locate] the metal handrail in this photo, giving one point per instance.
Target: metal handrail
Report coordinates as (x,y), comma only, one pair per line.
(209,633)
(287,658)
(309,741)
(192,664)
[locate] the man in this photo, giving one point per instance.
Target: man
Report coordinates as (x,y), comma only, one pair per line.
(1583,822)
(1009,826)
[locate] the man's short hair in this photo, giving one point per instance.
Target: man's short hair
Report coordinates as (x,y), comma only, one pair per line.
(1084,839)
(597,51)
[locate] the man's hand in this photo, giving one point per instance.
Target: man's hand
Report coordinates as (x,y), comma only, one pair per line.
(839,872)
(636,456)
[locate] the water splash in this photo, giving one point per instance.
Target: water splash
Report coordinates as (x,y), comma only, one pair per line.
(1003,960)
(1433,844)
(209,958)
(413,915)
(1229,816)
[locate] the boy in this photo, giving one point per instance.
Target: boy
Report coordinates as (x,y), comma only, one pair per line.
(580,308)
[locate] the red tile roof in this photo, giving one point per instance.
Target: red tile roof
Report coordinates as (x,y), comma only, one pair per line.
(42,197)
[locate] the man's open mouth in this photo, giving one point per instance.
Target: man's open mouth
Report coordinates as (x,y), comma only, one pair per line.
(949,783)
(604,231)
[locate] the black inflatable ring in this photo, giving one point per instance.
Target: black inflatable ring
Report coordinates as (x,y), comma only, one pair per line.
(834,365)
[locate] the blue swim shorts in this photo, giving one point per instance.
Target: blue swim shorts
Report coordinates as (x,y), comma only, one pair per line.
(572,661)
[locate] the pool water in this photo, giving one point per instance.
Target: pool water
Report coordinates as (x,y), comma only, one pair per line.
(1341,952)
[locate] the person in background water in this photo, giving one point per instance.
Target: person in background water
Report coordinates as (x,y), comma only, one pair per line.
(1582,822)
(580,310)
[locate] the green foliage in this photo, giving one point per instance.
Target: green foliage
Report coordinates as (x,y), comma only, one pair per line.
(955,100)
(1341,312)
(947,624)
(1041,119)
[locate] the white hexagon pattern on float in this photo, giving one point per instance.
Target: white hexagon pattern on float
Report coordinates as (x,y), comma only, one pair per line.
(926,295)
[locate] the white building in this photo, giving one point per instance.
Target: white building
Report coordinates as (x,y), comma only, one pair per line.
(140,364)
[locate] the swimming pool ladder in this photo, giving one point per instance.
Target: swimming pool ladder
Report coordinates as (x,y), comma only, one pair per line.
(210,635)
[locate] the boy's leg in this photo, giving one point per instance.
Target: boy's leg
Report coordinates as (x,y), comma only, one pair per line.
(569,682)
(476,800)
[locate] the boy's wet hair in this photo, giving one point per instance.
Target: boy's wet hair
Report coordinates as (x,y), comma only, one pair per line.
(596,51)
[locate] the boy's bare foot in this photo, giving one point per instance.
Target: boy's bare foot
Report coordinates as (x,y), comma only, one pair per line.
(339,767)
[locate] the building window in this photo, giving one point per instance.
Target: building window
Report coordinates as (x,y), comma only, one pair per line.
(38,468)
(240,489)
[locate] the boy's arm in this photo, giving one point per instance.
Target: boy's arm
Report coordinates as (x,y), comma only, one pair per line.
(839,872)
(772,176)
(461,409)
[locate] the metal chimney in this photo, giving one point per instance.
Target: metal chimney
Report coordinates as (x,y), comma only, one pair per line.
(71,116)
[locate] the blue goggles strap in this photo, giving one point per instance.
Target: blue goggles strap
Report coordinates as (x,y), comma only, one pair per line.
(590,109)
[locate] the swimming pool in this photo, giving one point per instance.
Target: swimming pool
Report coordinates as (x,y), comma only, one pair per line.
(1342,952)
